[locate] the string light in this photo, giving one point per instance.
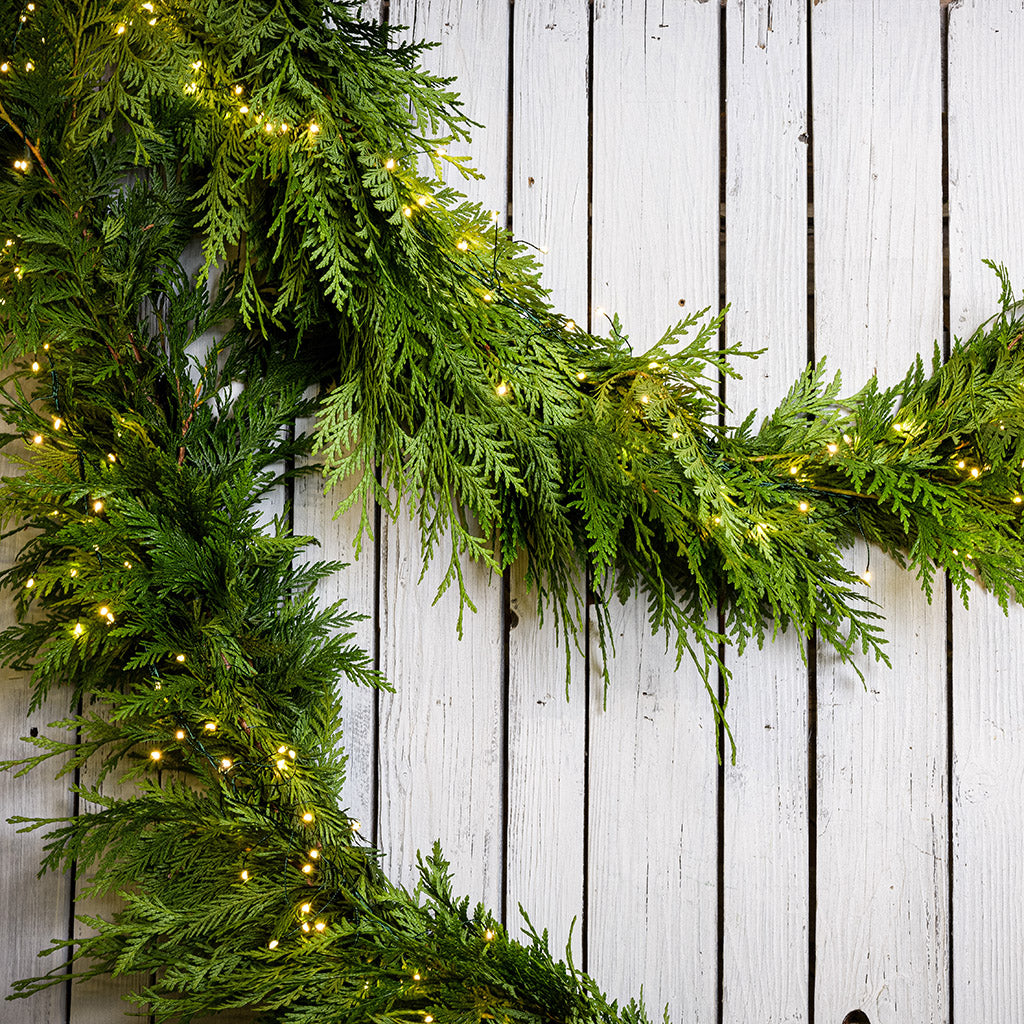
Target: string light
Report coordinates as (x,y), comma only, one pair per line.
(155,754)
(793,470)
(305,926)
(305,908)
(104,611)
(1017,499)
(675,434)
(494,216)
(238,90)
(314,128)
(389,165)
(975,472)
(292,754)
(273,944)
(407,210)
(29,66)
(462,245)
(866,574)
(97,506)
(78,629)
(488,935)
(180,734)
(487,296)
(645,399)
(111,457)
(30,582)
(416,976)
(243,109)
(502,389)
(281,764)
(38,439)
(308,817)
(57,423)
(244,876)
(210,727)
(428,1019)
(423,200)
(179,658)
(121,29)
(582,375)
(127,565)
(225,763)
(832,448)
(4,68)
(314,854)
(961,464)
(804,507)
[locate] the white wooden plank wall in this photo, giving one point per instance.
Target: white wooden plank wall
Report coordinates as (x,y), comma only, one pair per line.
(667,151)
(652,877)
(765,855)
(545,813)
(881,925)
(986,204)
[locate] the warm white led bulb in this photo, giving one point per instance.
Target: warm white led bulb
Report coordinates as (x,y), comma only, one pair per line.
(273,944)
(307,817)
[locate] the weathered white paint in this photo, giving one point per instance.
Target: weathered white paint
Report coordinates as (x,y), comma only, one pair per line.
(544,857)
(881,925)
(986,207)
(441,770)
(452,743)
(652,875)
(765,852)
(32,911)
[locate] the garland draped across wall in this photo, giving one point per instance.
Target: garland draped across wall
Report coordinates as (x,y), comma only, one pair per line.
(150,412)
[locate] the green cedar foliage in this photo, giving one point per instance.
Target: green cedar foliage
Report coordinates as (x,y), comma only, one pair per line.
(291,140)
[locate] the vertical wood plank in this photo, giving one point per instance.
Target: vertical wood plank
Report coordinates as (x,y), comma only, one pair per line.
(314,516)
(986,208)
(652,900)
(546,725)
(765,857)
(442,732)
(34,911)
(882,890)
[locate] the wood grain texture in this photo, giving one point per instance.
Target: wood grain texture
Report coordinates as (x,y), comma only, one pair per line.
(765,857)
(652,899)
(986,209)
(882,892)
(442,732)
(33,912)
(546,724)
(314,515)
